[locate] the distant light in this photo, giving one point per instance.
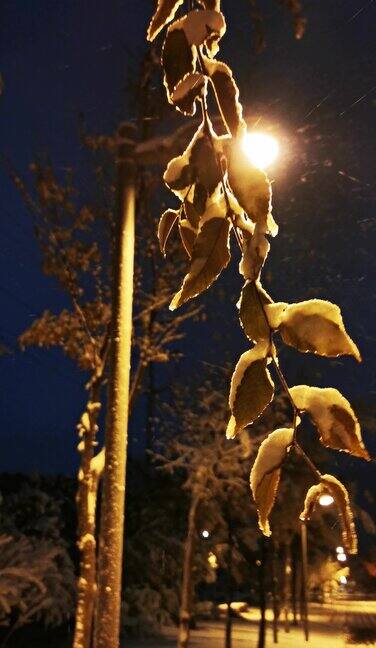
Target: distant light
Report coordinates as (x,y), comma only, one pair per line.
(326,500)
(340,550)
(212,560)
(261,149)
(341,557)
(205,533)
(343,580)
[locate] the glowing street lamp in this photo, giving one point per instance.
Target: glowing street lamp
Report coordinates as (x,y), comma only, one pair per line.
(341,557)
(260,148)
(326,500)
(205,533)
(340,550)
(343,580)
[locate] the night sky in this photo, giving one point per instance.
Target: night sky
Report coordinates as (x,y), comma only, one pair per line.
(59,59)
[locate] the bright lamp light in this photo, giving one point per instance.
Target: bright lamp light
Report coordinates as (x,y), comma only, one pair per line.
(205,533)
(261,149)
(341,557)
(340,550)
(343,580)
(326,500)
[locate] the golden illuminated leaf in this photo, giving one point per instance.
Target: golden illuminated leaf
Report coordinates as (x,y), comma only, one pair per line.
(251,388)
(188,235)
(333,416)
(251,188)
(195,170)
(332,486)
(265,473)
(210,255)
(184,36)
(227,94)
(255,251)
(178,59)
(165,226)
(191,213)
(164,13)
(188,91)
(252,317)
(316,326)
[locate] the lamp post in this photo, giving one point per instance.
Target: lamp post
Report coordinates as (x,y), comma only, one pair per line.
(110,558)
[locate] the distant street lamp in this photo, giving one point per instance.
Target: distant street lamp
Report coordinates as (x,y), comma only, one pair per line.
(326,500)
(205,533)
(340,550)
(341,557)
(261,149)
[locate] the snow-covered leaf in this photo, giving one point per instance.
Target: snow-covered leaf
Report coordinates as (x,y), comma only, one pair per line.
(251,188)
(178,59)
(227,94)
(317,326)
(165,226)
(210,255)
(265,473)
(332,486)
(251,389)
(188,91)
(255,251)
(252,317)
(184,36)
(333,416)
(164,13)
(196,166)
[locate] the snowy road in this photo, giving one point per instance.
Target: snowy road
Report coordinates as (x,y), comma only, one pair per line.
(327,625)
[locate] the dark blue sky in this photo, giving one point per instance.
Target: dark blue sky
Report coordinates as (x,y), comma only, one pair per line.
(62,58)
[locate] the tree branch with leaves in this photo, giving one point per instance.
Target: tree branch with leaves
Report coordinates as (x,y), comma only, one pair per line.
(222,195)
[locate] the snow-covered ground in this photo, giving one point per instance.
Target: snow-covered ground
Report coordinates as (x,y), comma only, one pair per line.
(326,629)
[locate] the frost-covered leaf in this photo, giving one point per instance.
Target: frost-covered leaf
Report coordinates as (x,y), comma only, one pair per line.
(332,486)
(227,94)
(188,235)
(251,389)
(251,313)
(210,255)
(251,188)
(317,326)
(188,91)
(255,251)
(333,416)
(265,473)
(164,13)
(165,226)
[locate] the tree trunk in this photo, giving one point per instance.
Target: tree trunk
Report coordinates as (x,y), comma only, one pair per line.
(86,510)
(107,628)
(275,593)
(186,591)
(304,598)
(262,624)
